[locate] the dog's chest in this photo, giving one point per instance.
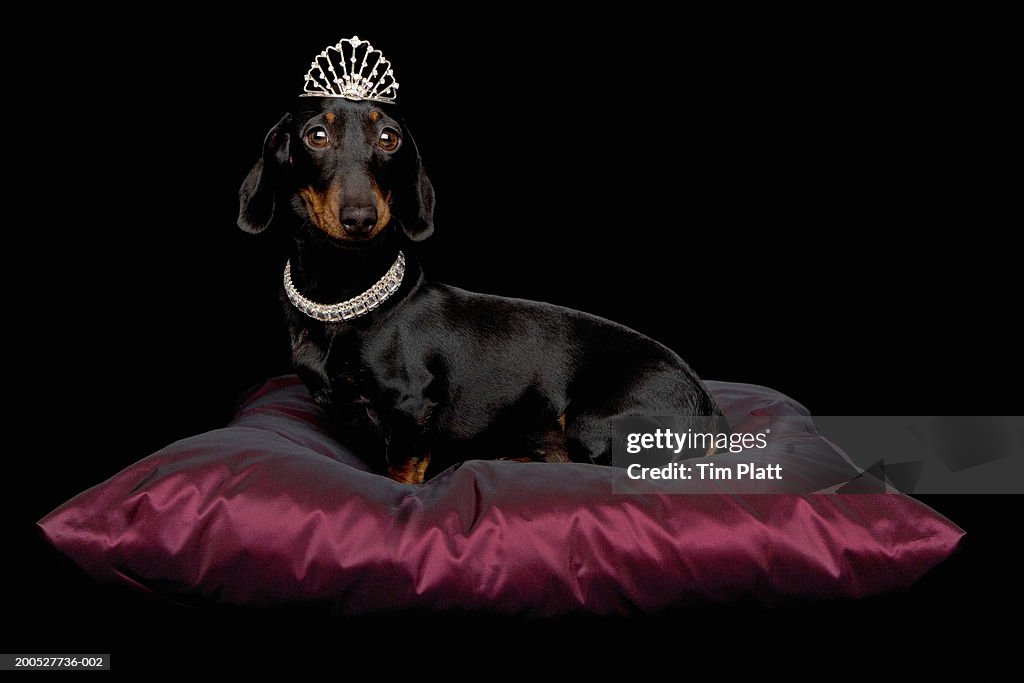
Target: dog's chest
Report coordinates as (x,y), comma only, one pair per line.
(364,378)
(356,370)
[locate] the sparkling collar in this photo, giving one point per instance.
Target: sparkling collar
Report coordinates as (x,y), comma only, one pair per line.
(353,308)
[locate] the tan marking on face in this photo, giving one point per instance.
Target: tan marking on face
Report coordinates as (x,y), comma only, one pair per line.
(561,421)
(374,116)
(324,209)
(383,205)
(412,471)
(330,117)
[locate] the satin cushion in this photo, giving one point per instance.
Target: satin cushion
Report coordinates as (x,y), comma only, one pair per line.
(272,510)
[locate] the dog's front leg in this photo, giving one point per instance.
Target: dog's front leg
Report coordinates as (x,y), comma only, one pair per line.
(409,448)
(309,358)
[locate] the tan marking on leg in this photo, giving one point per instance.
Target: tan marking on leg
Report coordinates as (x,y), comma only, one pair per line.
(552,447)
(557,456)
(412,471)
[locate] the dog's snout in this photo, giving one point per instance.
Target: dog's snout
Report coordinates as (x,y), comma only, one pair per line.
(358,220)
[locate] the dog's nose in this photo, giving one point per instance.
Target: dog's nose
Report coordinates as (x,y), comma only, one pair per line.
(358,220)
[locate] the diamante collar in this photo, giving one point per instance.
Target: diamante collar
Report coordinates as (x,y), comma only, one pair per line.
(349,309)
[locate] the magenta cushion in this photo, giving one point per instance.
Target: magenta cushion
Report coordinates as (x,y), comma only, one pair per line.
(272,510)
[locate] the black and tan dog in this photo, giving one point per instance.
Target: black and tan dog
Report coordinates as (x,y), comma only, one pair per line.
(435,375)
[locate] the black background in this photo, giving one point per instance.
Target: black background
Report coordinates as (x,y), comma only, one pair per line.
(814,210)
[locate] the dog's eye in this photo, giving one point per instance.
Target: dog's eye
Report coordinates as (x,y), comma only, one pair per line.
(317,137)
(389,140)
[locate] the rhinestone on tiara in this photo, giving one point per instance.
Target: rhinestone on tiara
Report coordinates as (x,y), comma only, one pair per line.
(352,69)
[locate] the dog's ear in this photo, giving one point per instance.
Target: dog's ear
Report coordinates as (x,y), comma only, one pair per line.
(417,206)
(423,226)
(256,197)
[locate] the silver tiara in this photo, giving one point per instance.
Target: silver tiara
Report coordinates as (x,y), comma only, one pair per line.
(352,69)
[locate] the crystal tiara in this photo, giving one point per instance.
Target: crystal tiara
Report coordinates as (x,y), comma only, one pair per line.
(352,69)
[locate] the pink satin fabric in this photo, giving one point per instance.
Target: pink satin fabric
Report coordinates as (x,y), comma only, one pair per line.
(272,510)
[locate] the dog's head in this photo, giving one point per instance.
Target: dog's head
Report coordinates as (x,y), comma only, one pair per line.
(341,169)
